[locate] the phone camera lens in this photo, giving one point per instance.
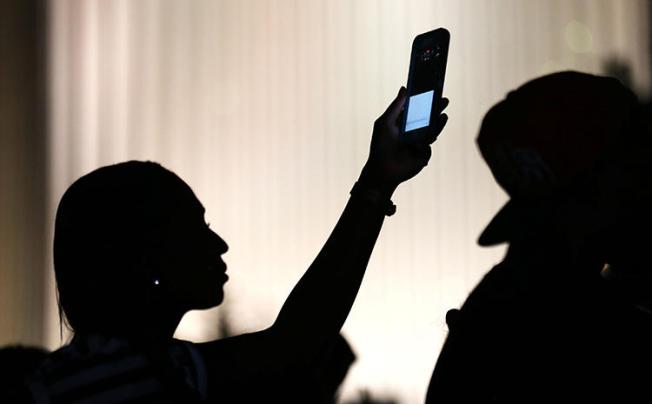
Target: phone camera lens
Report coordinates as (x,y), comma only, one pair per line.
(427,55)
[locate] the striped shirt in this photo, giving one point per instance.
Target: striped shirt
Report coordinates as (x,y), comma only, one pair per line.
(99,369)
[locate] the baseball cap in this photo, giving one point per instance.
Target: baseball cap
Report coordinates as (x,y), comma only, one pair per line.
(548,135)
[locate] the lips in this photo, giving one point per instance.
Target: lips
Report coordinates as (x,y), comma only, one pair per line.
(221,268)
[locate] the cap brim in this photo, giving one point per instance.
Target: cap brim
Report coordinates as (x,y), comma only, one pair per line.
(501,228)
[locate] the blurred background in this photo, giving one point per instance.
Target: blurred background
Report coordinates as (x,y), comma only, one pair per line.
(265,107)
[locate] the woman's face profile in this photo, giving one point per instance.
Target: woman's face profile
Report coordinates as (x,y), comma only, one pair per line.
(188,261)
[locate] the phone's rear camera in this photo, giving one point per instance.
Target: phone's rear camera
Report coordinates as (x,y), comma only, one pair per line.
(428,55)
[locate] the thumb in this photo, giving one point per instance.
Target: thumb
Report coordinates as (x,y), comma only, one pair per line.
(394,110)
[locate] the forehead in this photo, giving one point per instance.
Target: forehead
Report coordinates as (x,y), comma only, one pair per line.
(185,201)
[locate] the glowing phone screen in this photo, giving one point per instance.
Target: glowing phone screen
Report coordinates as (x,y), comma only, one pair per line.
(419,107)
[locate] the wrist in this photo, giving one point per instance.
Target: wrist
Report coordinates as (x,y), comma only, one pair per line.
(374,182)
(376,194)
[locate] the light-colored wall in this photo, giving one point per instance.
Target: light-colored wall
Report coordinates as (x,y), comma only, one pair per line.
(266,108)
(22,173)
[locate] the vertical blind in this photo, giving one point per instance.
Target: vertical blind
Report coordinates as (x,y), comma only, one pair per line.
(265,107)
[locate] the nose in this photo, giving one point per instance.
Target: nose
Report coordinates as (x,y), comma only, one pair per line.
(221,245)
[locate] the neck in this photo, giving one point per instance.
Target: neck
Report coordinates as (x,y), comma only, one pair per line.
(153,326)
(160,325)
(552,257)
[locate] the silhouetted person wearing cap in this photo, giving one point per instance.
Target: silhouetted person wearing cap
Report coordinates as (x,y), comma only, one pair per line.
(133,254)
(567,314)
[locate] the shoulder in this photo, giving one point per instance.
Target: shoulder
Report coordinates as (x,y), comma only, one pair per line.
(257,367)
(100,368)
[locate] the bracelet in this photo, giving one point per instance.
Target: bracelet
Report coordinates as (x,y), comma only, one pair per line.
(375,197)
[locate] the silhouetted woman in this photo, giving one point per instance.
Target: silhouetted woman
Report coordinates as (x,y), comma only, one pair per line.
(133,254)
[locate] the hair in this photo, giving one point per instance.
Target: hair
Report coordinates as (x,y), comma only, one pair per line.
(105,223)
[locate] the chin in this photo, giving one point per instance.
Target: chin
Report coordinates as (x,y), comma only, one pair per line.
(208,302)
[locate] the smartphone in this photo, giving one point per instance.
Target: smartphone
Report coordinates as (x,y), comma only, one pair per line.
(425,82)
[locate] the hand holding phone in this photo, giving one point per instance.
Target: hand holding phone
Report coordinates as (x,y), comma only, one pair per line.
(400,145)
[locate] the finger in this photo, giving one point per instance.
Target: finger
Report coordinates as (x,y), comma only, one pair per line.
(394,110)
(443,104)
(443,118)
(421,153)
